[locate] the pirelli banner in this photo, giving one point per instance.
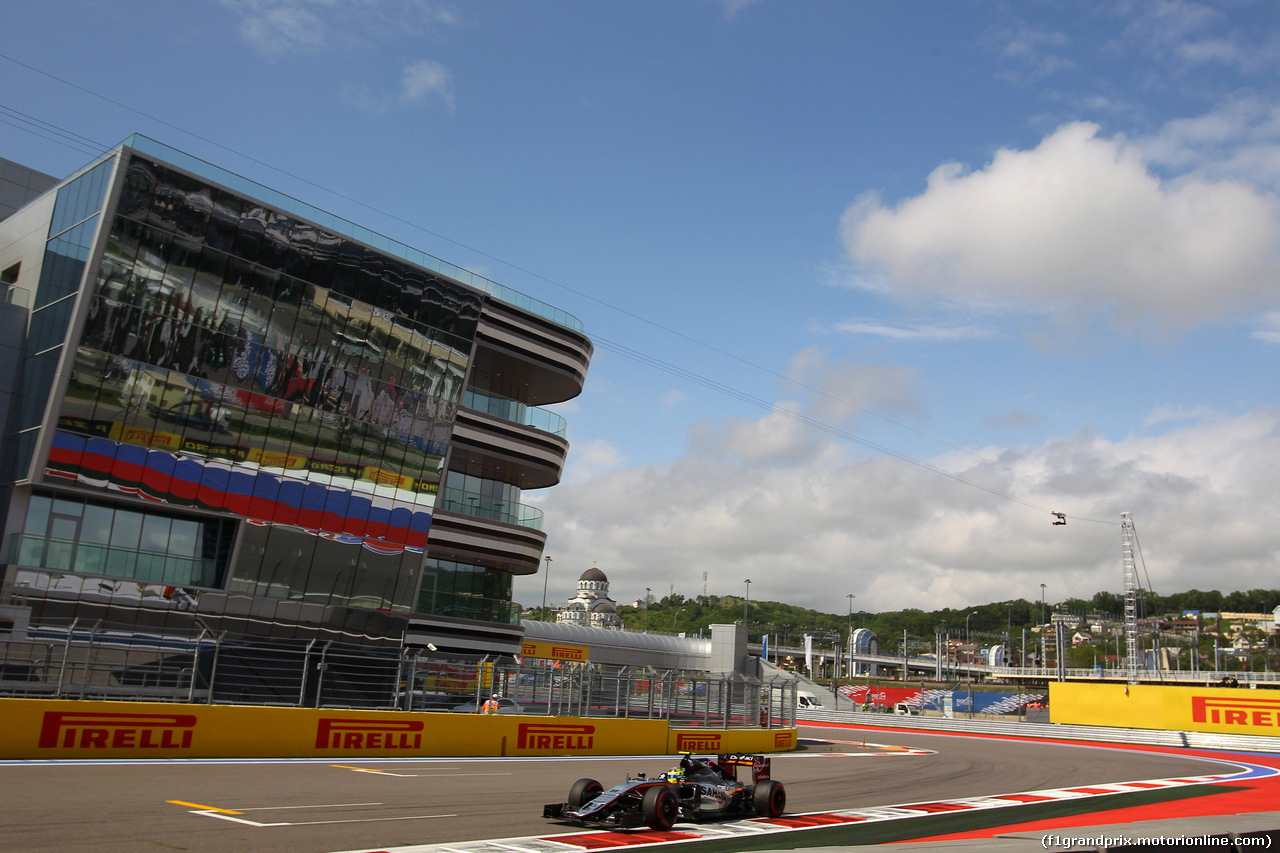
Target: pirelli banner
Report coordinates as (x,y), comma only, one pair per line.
(1222,710)
(731,740)
(555,651)
(39,728)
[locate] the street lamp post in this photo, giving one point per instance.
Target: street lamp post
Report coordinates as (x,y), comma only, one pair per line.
(969,672)
(849,671)
(544,586)
(745,602)
(1043,646)
(646,609)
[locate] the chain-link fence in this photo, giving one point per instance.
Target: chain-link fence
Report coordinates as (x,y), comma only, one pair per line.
(88,661)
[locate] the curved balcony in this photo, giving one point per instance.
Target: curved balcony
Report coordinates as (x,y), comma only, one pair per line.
(546,361)
(483,506)
(519,413)
(464,606)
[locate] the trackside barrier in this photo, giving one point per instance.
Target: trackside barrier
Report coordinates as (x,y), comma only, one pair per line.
(60,729)
(1055,731)
(1216,710)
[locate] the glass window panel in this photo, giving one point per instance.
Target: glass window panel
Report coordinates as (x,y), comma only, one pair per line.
(210,271)
(139,181)
(63,529)
(184,259)
(224,222)
(126,530)
(275,243)
(37,522)
(91,559)
(184,535)
(96,526)
(197,207)
(155,534)
(324,260)
(347,272)
(253,224)
(167,199)
(302,246)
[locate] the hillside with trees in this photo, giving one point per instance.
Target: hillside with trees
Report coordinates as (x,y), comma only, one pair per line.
(987,624)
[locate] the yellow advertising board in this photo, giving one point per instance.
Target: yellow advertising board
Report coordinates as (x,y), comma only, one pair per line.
(555,651)
(708,741)
(1222,710)
(39,728)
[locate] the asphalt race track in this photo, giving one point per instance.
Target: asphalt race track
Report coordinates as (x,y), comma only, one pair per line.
(321,807)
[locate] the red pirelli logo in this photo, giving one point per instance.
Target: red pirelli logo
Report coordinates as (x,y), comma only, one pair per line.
(529,649)
(552,736)
(568,653)
(1230,711)
(697,742)
(340,733)
(116,731)
(782,740)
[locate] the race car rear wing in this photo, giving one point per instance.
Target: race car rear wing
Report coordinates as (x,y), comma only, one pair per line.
(759,764)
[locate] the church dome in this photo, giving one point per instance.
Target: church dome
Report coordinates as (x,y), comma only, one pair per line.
(593,574)
(603,607)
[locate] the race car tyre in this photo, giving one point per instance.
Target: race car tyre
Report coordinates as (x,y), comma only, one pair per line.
(583,792)
(770,799)
(660,808)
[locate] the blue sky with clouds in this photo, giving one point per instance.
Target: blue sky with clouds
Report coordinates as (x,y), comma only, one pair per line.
(875,287)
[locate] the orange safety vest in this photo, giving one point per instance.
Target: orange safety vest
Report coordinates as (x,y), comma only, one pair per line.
(490,706)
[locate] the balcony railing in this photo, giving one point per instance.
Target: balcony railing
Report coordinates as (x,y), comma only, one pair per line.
(483,506)
(520,413)
(466,606)
(66,555)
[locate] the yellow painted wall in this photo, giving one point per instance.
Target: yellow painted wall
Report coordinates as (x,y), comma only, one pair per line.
(1221,710)
(39,728)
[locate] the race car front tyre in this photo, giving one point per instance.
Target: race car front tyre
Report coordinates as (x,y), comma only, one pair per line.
(770,799)
(583,792)
(660,808)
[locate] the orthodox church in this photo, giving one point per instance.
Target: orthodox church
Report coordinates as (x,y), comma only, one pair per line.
(591,607)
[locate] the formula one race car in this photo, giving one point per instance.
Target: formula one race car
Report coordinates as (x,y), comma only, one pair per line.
(698,789)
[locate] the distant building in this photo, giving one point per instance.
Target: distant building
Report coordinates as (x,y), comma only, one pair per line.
(591,607)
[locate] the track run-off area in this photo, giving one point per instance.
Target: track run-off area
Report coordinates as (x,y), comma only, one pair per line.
(845,786)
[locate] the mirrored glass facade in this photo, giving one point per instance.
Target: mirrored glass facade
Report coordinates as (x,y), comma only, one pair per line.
(238,411)
(236,360)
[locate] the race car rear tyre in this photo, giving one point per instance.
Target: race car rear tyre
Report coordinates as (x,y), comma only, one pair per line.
(583,792)
(770,799)
(660,808)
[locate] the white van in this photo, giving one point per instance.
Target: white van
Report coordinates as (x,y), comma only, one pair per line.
(805,699)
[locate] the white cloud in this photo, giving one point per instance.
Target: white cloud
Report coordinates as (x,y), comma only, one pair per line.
(426,79)
(1164,414)
(1269,328)
(278,27)
(1204,498)
(1079,224)
(733,7)
(842,391)
(419,81)
(1017,419)
(1035,52)
(917,332)
(672,398)
(590,459)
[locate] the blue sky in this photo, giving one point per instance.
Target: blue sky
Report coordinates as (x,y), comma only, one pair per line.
(875,287)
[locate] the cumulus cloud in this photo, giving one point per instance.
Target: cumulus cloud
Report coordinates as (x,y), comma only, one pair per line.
(278,27)
(841,391)
(1078,224)
(915,332)
(896,534)
(426,79)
